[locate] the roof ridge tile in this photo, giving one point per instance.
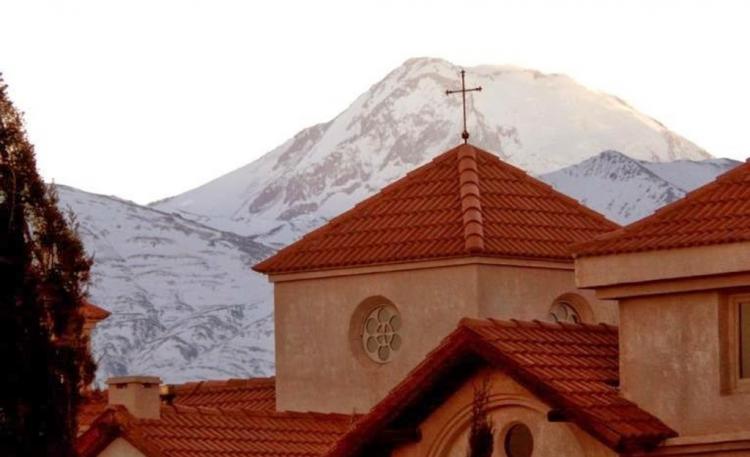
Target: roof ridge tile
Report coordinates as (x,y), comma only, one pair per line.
(471,202)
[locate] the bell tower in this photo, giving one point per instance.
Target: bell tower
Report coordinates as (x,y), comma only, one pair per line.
(360,301)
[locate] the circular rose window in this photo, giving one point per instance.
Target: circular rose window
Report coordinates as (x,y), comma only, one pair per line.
(380,334)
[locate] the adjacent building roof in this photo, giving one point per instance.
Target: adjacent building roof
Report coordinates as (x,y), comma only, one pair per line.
(716,213)
(255,394)
(229,418)
(571,367)
(465,202)
(183,431)
(91,312)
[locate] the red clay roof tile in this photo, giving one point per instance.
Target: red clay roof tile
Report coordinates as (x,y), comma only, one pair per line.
(184,431)
(465,202)
(716,213)
(572,368)
(254,394)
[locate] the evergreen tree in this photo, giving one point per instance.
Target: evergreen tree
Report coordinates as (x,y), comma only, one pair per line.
(44,355)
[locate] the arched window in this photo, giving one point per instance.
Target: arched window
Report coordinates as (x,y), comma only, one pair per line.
(570,308)
(563,311)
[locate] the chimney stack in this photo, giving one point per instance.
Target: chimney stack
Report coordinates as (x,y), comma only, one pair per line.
(139,394)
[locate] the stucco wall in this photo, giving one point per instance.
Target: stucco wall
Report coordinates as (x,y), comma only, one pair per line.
(120,448)
(444,433)
(671,362)
(508,292)
(319,364)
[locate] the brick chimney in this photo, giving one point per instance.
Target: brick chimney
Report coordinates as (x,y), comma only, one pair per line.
(139,394)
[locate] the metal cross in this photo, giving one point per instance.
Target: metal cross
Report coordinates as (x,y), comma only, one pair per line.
(463,90)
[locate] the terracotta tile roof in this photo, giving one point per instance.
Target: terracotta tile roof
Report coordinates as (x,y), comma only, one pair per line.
(573,368)
(183,431)
(256,394)
(465,202)
(716,213)
(91,312)
(93,405)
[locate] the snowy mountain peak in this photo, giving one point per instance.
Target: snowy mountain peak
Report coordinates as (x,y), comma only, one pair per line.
(536,121)
(612,164)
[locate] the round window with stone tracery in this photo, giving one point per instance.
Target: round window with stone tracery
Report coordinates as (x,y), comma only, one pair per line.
(562,311)
(380,333)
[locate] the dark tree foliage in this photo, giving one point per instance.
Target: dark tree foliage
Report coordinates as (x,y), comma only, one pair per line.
(44,355)
(481,434)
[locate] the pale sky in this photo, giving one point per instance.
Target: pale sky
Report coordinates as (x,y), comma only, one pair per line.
(146,99)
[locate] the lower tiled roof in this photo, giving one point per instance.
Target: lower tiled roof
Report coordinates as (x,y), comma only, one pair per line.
(571,367)
(183,431)
(93,405)
(256,394)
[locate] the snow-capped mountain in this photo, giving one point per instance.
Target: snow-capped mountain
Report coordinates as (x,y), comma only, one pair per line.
(176,276)
(625,189)
(540,122)
(185,304)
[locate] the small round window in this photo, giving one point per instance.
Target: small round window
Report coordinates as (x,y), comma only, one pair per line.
(518,441)
(563,311)
(380,333)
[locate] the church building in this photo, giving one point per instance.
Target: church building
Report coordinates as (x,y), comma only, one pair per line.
(466,274)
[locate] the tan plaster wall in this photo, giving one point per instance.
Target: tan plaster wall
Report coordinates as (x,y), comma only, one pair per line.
(527,293)
(321,367)
(444,433)
(671,362)
(120,448)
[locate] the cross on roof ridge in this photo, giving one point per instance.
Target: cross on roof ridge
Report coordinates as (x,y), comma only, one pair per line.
(463,90)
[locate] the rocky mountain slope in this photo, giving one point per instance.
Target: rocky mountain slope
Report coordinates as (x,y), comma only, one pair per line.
(540,122)
(625,189)
(185,304)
